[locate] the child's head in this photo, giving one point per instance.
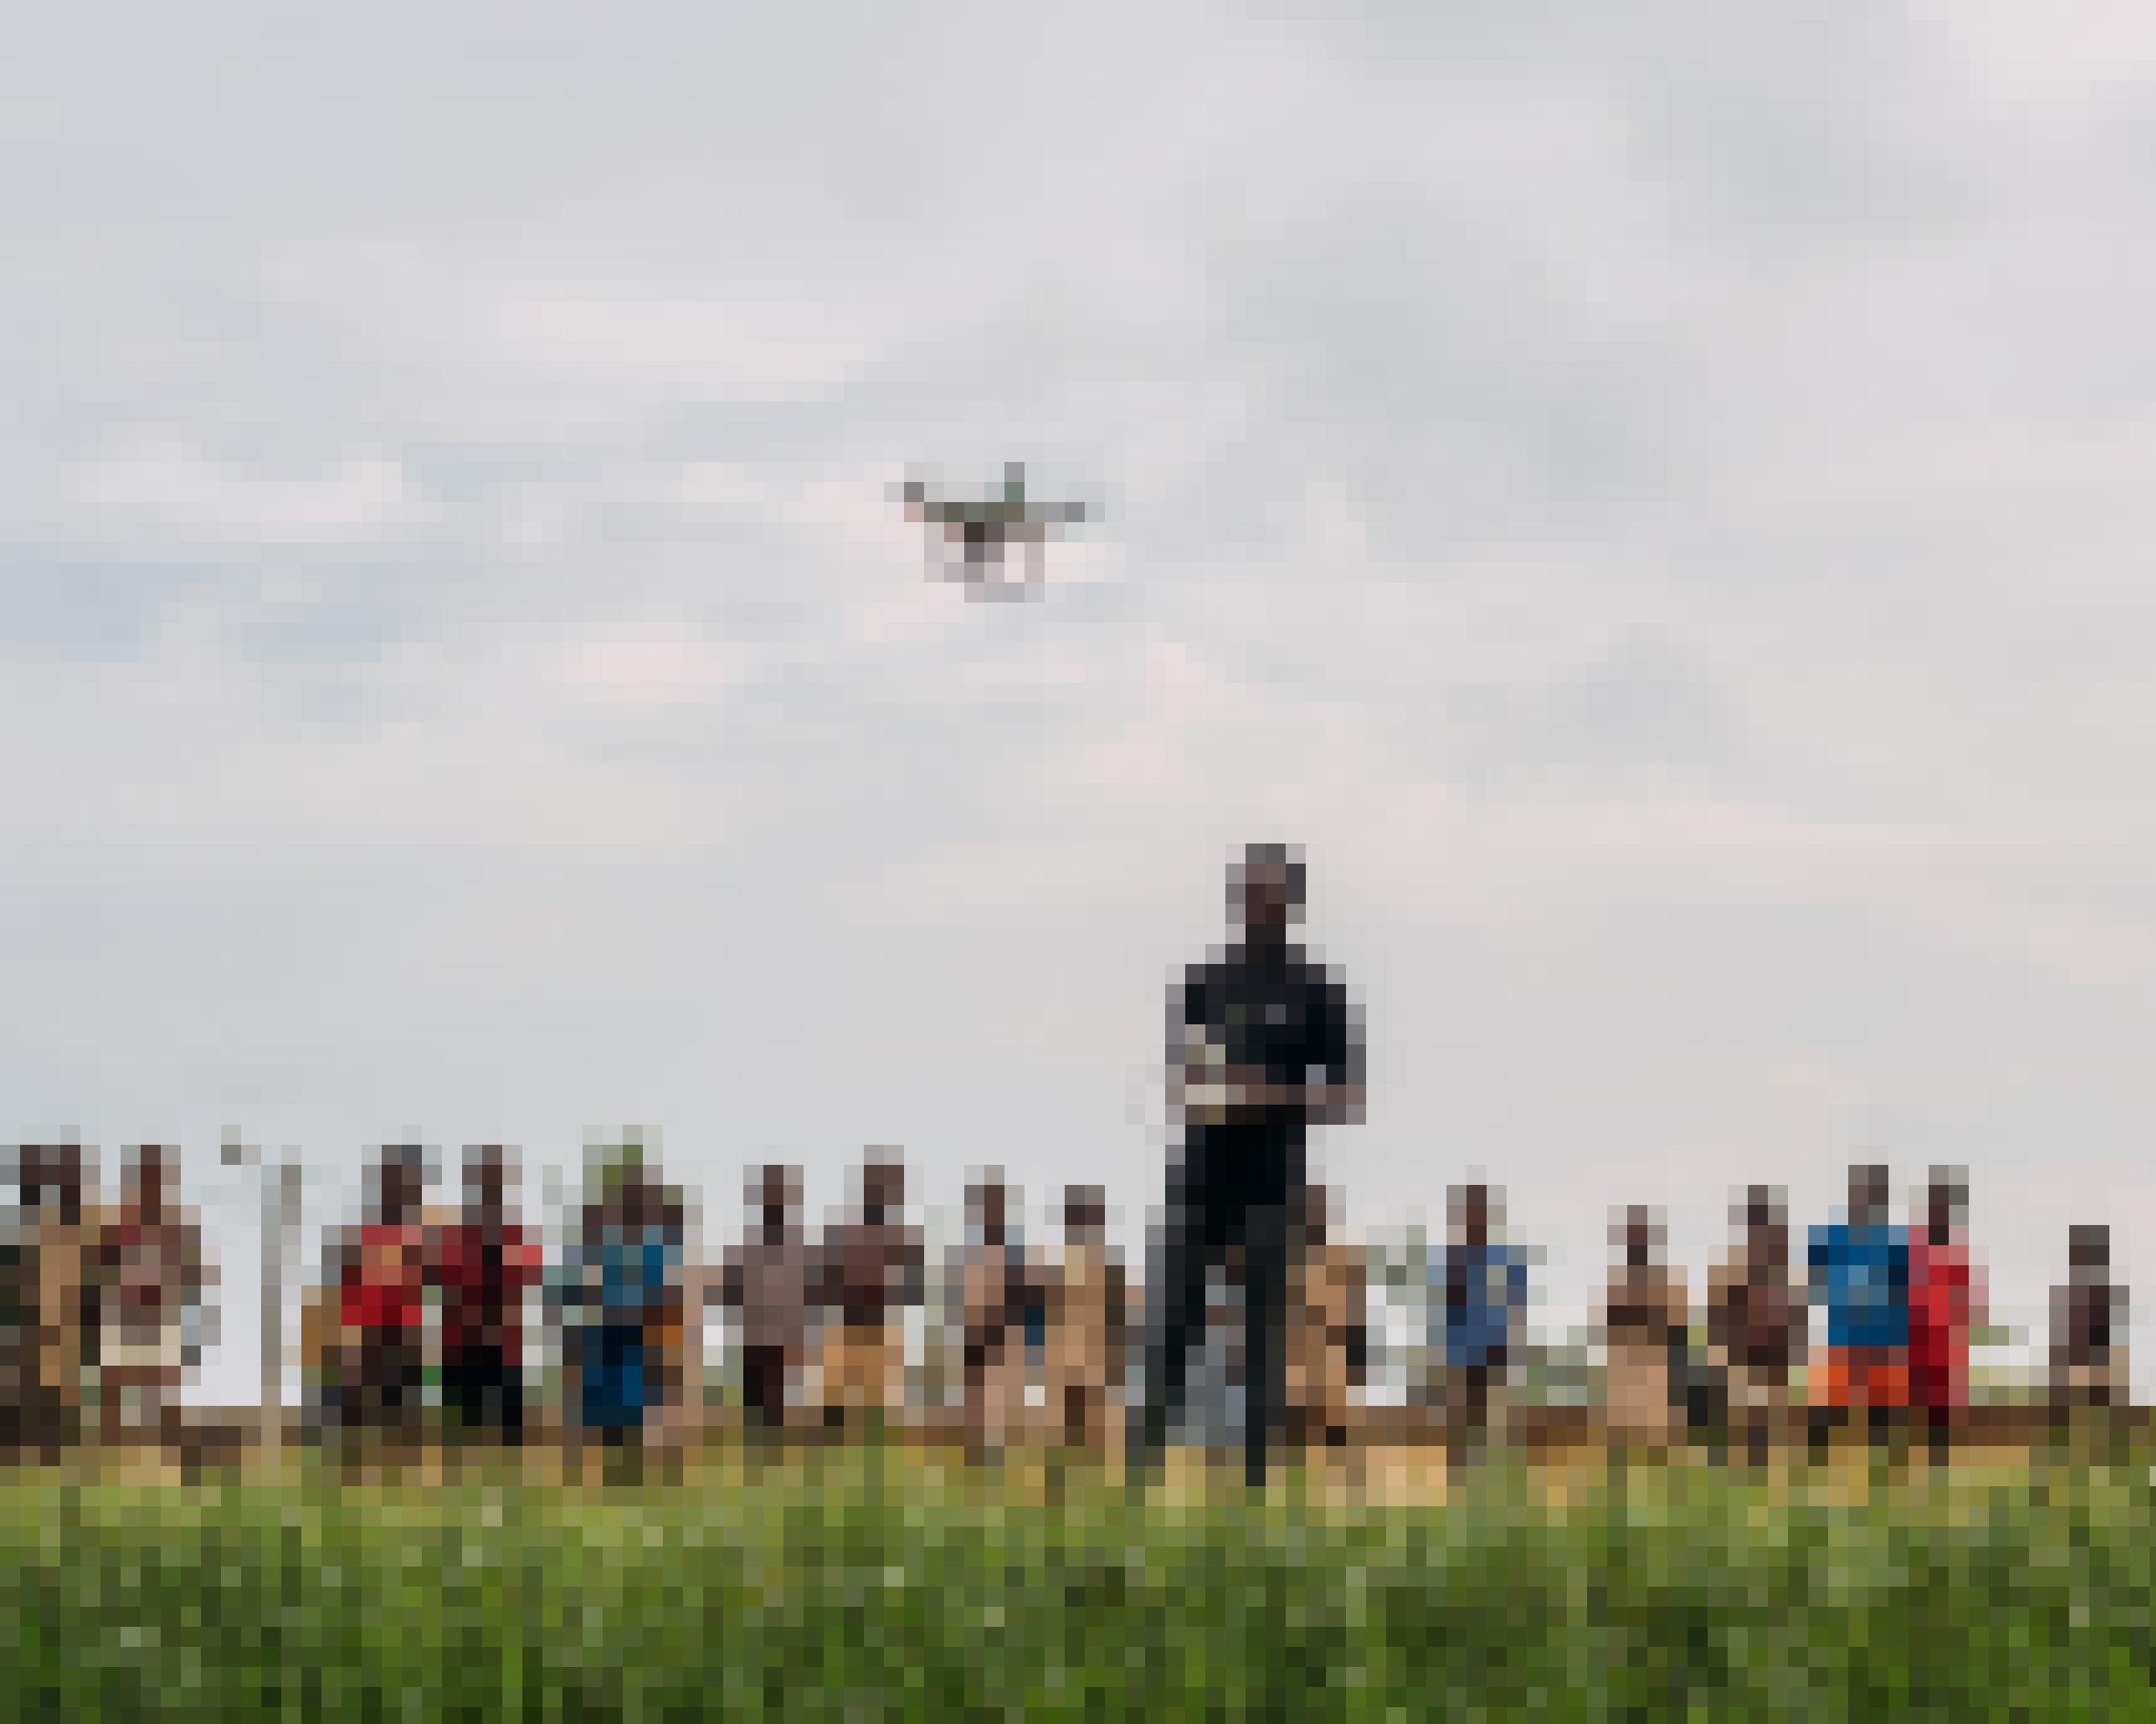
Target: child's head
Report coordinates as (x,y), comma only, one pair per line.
(149,1181)
(2088,1246)
(1868,1194)
(989,1205)
(1639,1234)
(1085,1214)
(883,1184)
(487,1176)
(1763,1216)
(1475,1211)
(773,1193)
(1946,1203)
(400,1181)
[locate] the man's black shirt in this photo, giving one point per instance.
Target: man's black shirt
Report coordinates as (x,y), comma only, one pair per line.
(1289,1018)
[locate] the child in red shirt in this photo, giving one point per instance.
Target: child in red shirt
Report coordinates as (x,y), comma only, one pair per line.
(1946,1300)
(382,1276)
(484,1264)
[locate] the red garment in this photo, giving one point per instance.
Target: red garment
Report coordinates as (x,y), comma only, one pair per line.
(385,1283)
(1940,1308)
(483,1272)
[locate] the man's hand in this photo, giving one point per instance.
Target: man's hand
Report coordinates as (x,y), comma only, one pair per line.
(1320,1102)
(1245,1090)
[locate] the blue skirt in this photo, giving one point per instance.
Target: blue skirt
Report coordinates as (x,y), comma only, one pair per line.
(614,1382)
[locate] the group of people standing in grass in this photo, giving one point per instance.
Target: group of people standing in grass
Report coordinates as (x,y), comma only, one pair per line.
(413,1299)
(1901,1304)
(104,1307)
(420,1321)
(420,1327)
(822,1324)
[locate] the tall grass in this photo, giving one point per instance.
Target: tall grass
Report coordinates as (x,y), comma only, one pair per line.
(857,1589)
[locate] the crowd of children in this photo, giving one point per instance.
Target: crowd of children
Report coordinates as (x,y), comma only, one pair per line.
(103,1308)
(419,1326)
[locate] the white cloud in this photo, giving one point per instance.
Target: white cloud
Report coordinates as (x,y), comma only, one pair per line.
(163,496)
(2094,51)
(649,672)
(741,352)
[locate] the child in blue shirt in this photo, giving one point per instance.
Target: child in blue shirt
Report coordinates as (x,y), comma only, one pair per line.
(1478,1299)
(1859,1273)
(610,1285)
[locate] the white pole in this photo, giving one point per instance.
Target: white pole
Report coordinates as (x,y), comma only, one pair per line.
(280,1218)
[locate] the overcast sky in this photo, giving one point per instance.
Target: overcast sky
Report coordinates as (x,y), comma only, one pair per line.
(1656,498)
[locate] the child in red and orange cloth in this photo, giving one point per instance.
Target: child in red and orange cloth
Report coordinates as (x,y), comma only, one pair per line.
(1946,1301)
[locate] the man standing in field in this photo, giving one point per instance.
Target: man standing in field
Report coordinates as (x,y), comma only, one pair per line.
(1327,1328)
(1088,1296)
(55,1315)
(484,1263)
(151,1279)
(1478,1302)
(1755,1321)
(381,1271)
(995,1288)
(18,1308)
(1946,1300)
(872,1271)
(1645,1316)
(2089,1357)
(611,1292)
(765,1282)
(1262,1044)
(1860,1272)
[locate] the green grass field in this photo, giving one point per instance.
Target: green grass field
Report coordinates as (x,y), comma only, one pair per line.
(863,1586)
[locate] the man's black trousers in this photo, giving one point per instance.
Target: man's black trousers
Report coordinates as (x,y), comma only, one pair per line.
(1201,1227)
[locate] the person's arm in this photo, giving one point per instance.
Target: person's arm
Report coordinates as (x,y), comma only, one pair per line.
(947,1317)
(443,1257)
(1336,1097)
(988,1303)
(1676,1311)
(340,1270)
(60,1306)
(1721,1328)
(566,1289)
(1044,1291)
(691,1414)
(202,1308)
(1185,1032)
(1610,1311)
(1358,1326)
(665,1270)
(1326,1102)
(1118,1310)
(187,1265)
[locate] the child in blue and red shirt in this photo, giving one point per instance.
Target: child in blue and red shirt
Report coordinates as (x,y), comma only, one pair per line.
(1860,1272)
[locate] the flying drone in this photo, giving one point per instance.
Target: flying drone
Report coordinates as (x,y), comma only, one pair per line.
(975,536)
